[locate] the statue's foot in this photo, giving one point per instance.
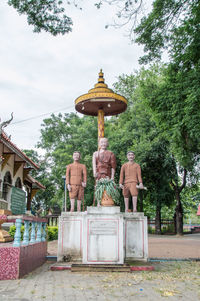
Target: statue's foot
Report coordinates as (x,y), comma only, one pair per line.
(134,210)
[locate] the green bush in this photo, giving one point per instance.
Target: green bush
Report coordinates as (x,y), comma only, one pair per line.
(151,230)
(52,233)
(168,229)
(13,229)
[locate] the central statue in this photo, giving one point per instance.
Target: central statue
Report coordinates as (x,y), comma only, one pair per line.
(104,161)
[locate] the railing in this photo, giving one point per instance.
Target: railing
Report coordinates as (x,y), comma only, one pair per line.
(38,229)
(52,219)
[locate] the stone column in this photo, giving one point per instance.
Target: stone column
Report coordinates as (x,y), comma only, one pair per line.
(39,234)
(17,238)
(32,241)
(26,233)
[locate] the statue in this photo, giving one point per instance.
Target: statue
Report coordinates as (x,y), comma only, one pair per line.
(130,176)
(76,178)
(104,161)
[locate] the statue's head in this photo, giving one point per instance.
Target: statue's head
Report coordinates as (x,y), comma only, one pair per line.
(76,156)
(103,143)
(130,156)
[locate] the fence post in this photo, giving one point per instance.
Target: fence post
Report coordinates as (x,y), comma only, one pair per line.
(39,234)
(26,233)
(17,238)
(32,241)
(43,231)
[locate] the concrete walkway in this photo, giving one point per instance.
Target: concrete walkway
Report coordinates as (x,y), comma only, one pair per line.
(170,281)
(172,246)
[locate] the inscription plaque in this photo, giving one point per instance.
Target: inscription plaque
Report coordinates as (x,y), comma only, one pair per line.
(103,228)
(18,201)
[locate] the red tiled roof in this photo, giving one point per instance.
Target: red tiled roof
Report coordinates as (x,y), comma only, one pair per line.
(19,152)
(34,181)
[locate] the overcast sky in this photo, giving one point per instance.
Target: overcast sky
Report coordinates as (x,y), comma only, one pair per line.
(41,74)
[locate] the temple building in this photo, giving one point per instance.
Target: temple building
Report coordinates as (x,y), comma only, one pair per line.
(17,187)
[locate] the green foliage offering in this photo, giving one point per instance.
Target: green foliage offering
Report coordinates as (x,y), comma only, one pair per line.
(108,185)
(52,233)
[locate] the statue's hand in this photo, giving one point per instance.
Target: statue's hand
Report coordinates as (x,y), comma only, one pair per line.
(69,187)
(141,186)
(121,186)
(95,174)
(83,184)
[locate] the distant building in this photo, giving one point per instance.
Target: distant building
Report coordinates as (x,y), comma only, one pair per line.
(15,181)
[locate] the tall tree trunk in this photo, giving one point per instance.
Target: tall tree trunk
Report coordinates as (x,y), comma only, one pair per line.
(179,215)
(158,219)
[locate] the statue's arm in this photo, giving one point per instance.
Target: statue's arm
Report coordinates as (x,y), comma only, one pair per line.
(121,178)
(67,178)
(94,166)
(139,175)
(113,166)
(112,173)
(84,176)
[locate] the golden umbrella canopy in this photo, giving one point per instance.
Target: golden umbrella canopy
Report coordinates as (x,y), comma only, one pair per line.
(101,101)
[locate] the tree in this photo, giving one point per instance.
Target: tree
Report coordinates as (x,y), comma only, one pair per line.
(62,135)
(43,197)
(175,109)
(135,129)
(45,15)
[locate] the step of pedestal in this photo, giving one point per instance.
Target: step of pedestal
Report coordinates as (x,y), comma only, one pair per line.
(100,267)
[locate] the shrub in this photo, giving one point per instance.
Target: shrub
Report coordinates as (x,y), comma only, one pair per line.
(52,233)
(151,230)
(13,230)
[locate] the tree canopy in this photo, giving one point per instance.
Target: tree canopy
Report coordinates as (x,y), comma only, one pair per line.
(47,15)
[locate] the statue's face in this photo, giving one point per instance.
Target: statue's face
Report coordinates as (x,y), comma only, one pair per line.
(103,143)
(130,157)
(76,156)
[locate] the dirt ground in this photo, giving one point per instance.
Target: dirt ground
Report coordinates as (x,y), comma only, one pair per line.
(162,246)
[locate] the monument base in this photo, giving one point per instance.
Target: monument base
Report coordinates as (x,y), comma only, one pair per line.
(4,235)
(102,235)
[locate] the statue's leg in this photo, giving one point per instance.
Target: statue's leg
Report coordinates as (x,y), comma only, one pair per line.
(134,200)
(126,201)
(72,201)
(78,205)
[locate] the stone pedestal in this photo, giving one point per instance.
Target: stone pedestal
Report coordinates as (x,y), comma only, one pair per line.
(135,236)
(70,236)
(102,235)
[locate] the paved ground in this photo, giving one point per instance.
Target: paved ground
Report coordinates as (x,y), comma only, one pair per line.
(163,246)
(170,281)
(187,246)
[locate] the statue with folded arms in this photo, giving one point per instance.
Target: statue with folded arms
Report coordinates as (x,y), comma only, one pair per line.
(104,161)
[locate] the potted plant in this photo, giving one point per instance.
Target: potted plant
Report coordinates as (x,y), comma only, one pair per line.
(107,192)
